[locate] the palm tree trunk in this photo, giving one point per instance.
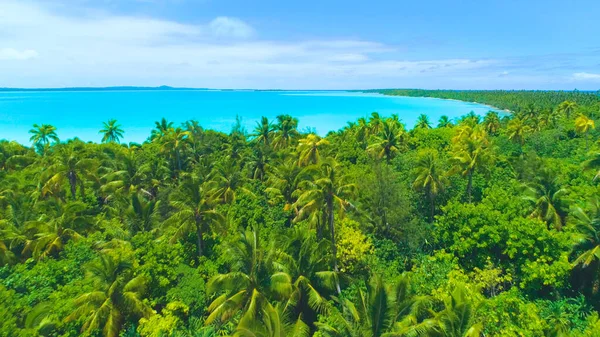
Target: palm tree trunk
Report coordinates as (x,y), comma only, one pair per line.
(469,185)
(432,205)
(333,245)
(320,223)
(587,148)
(199,239)
(73,184)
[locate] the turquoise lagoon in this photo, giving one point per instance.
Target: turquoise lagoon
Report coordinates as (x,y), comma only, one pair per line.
(81,113)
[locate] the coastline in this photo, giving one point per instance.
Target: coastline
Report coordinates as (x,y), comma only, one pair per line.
(493,108)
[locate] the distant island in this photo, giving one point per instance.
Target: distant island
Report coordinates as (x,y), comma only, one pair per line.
(119,88)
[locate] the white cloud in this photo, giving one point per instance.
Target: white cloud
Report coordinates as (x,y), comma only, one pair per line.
(586,76)
(230,27)
(349,58)
(14,54)
(100,49)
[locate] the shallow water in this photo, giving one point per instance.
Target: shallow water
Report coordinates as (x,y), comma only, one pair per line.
(81,113)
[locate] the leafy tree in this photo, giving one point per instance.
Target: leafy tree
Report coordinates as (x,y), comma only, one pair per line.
(161,129)
(228,181)
(389,140)
(195,211)
(327,192)
(470,153)
(584,125)
(263,132)
(375,312)
(42,135)
(174,142)
(593,164)
(567,108)
(286,131)
(70,166)
(444,122)
(491,122)
(111,132)
(117,297)
(308,149)
(587,242)
(430,178)
(423,122)
(547,197)
(51,234)
(518,130)
(252,282)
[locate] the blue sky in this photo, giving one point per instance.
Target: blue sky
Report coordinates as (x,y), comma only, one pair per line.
(307,44)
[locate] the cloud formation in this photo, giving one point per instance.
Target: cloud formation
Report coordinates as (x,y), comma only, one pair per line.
(13,54)
(230,27)
(41,46)
(586,76)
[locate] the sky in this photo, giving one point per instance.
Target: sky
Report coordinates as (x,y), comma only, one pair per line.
(309,44)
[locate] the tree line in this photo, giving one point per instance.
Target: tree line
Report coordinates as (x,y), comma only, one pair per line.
(479,226)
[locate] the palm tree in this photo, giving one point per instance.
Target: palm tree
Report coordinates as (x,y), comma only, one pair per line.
(195,211)
(228,181)
(375,123)
(444,122)
(517,131)
(69,166)
(457,319)
(254,280)
(470,153)
(593,164)
(42,135)
(53,232)
(112,132)
(308,149)
(128,177)
(161,129)
(376,312)
(117,298)
(389,140)
(547,198)
(529,113)
(174,142)
(567,108)
(423,122)
(258,163)
(471,119)
(273,322)
(430,178)
(331,191)
(491,122)
(587,241)
(154,172)
(307,262)
(286,131)
(143,214)
(584,125)
(263,132)
(284,180)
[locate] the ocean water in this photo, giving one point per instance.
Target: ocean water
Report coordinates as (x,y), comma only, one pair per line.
(81,113)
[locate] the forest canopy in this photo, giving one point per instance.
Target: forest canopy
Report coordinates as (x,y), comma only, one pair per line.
(480,226)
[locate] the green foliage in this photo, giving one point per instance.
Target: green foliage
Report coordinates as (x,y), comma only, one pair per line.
(488,226)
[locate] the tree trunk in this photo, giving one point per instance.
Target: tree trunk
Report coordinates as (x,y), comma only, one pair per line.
(73,184)
(432,205)
(199,239)
(587,148)
(469,186)
(320,223)
(333,246)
